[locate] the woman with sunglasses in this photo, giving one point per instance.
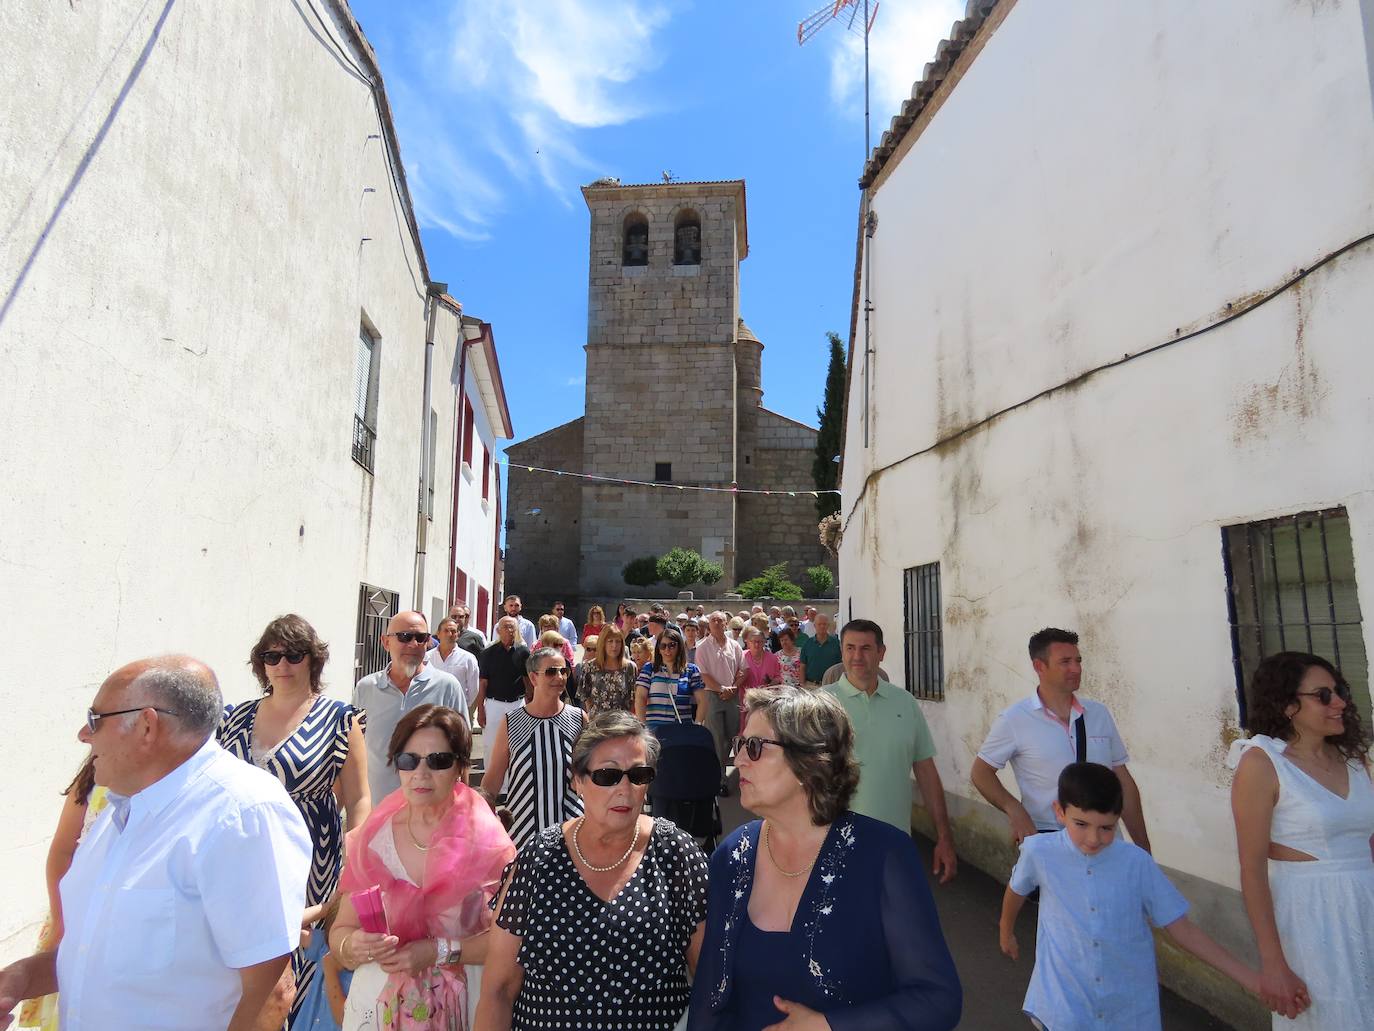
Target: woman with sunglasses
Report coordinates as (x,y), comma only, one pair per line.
(436,850)
(669,689)
(1304,812)
(534,745)
(599,921)
(313,745)
(793,894)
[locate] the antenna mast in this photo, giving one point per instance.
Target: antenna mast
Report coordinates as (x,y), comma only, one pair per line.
(806,29)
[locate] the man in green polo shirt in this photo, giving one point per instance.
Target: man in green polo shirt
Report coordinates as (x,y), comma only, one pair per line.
(821,652)
(891,741)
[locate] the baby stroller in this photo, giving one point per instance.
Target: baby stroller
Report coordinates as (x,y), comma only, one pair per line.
(684,790)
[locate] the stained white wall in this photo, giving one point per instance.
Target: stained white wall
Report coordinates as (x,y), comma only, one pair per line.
(198,215)
(475,548)
(1104,178)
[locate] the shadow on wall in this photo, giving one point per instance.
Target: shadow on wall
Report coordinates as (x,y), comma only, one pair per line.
(92,149)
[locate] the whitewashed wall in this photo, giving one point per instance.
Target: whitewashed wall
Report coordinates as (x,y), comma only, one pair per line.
(475,548)
(197,216)
(1104,178)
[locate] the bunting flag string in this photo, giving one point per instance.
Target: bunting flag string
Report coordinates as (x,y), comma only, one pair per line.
(661,486)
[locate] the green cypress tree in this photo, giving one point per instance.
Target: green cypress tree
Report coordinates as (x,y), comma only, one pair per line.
(824,469)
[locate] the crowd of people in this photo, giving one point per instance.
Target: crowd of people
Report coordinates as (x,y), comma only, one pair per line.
(297,861)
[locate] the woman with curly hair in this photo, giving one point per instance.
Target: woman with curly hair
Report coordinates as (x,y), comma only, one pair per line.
(1304,812)
(816,917)
(313,744)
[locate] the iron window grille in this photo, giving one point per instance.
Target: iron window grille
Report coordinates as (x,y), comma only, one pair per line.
(663,472)
(923,632)
(1291,587)
(364,443)
(376,606)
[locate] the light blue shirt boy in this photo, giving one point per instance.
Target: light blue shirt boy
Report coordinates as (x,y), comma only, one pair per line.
(1094,953)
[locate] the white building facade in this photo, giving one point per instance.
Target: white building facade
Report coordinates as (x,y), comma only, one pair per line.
(1118,381)
(230,387)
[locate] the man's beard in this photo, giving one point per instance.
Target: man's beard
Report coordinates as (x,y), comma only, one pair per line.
(408,667)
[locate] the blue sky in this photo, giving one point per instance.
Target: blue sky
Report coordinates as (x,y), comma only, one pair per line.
(506,107)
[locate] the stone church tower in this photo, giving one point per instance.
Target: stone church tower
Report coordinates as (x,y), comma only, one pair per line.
(673,395)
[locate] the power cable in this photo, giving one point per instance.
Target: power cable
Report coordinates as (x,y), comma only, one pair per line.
(1258,302)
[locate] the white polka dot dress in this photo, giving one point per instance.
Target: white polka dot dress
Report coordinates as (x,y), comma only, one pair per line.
(615,965)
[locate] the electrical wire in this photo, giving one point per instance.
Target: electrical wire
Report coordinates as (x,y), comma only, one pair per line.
(1174,341)
(503,460)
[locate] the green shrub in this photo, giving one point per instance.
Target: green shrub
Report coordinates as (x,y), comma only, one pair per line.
(711,573)
(771,583)
(681,567)
(641,572)
(822,579)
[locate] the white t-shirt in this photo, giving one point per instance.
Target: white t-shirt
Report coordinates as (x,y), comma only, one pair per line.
(1038,747)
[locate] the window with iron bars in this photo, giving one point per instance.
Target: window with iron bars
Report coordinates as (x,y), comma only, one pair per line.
(923,632)
(1291,587)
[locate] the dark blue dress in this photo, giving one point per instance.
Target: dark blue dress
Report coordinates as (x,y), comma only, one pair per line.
(307,764)
(865,947)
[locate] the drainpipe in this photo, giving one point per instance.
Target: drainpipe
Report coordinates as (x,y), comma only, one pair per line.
(463,344)
(421,519)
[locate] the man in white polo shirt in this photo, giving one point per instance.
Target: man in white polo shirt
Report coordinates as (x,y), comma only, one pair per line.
(185,899)
(1040,735)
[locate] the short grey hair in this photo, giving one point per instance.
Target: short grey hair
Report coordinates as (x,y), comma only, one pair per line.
(817,741)
(190,693)
(533,663)
(788,610)
(610,725)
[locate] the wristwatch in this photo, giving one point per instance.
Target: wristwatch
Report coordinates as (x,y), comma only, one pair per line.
(449,951)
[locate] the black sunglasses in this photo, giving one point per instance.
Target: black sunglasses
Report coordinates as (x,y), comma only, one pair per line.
(1325,694)
(271,658)
(610,777)
(407,636)
(753,746)
(408,761)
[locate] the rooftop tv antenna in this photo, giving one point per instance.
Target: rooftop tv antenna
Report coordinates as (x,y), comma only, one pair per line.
(849,12)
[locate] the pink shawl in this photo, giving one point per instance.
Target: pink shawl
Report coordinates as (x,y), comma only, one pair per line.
(463,868)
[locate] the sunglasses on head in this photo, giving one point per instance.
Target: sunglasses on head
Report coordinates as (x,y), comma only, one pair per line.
(271,658)
(407,636)
(610,777)
(408,761)
(1325,694)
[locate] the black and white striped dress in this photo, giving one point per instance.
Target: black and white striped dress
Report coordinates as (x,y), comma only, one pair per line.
(541,793)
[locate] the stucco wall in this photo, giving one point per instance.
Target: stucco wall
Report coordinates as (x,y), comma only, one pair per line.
(199,216)
(1098,183)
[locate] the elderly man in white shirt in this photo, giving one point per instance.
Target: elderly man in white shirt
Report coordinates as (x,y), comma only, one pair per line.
(185,900)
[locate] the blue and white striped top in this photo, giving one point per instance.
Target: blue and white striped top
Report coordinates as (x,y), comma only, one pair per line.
(666,687)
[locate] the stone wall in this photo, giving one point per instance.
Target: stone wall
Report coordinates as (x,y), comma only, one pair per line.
(778,528)
(543,551)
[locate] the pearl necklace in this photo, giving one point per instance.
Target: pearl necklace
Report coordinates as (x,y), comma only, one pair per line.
(778,866)
(602,869)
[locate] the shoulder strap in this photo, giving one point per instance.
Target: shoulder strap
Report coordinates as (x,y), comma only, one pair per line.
(1081,733)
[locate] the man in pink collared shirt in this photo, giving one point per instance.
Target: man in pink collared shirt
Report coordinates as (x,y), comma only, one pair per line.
(721,661)
(1038,737)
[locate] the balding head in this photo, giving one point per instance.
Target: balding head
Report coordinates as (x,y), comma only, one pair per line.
(150,717)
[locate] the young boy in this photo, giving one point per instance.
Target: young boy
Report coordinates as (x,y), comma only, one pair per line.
(1095,955)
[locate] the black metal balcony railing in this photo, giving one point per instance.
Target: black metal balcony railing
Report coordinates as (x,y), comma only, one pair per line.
(364,443)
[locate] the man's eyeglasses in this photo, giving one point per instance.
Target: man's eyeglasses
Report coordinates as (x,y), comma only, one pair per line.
(610,777)
(408,761)
(93,718)
(273,657)
(409,636)
(1325,694)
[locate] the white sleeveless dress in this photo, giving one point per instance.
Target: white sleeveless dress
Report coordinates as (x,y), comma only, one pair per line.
(1324,909)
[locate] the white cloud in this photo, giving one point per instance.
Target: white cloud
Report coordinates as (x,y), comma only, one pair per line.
(904,37)
(503,91)
(576,381)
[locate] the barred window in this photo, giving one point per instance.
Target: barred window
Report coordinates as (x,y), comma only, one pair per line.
(1291,587)
(923,632)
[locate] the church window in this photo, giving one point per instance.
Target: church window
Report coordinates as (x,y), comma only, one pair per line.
(663,472)
(687,239)
(636,245)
